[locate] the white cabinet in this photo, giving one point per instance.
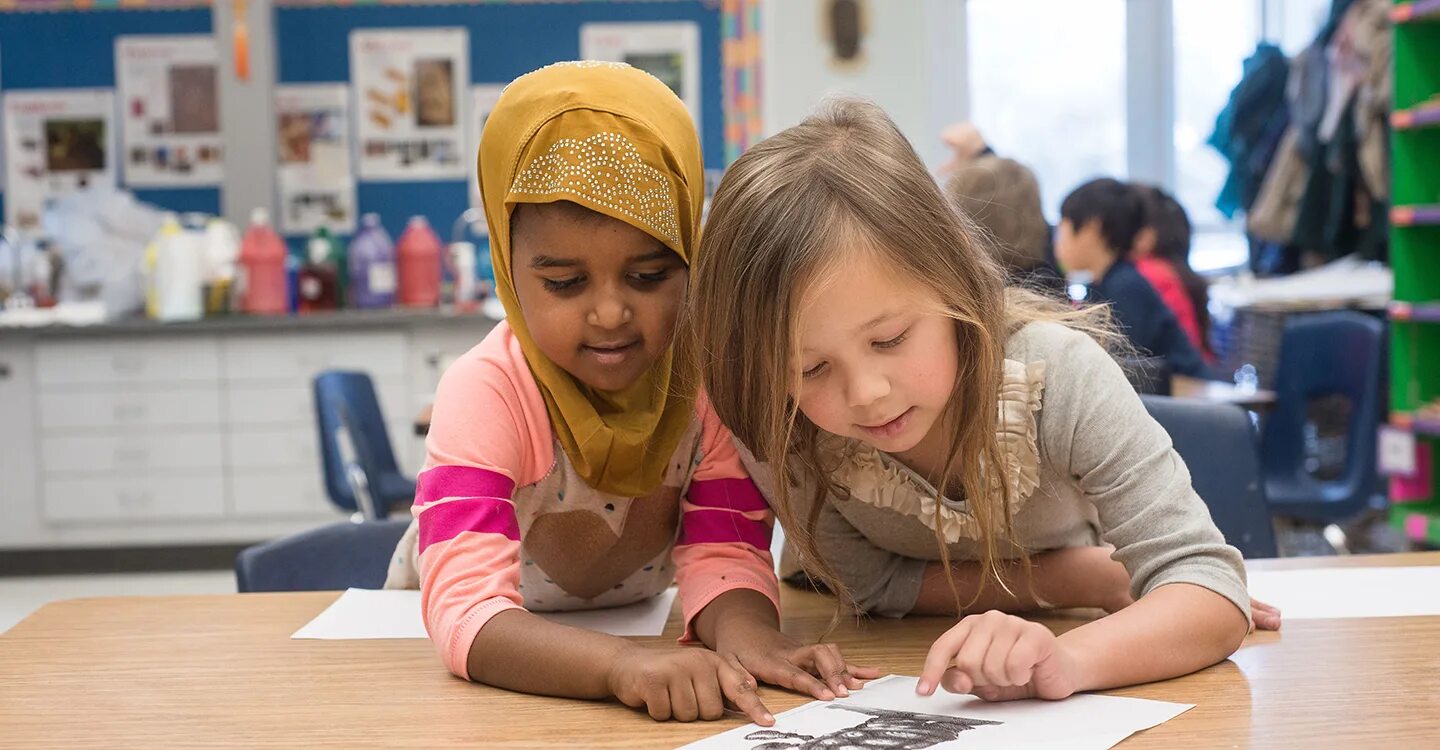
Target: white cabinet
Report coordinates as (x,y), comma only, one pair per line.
(201,436)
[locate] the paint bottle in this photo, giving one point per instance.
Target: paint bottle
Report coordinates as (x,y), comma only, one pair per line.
(372,266)
(262,264)
(418,258)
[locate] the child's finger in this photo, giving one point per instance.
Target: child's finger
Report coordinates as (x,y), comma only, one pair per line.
(993,664)
(938,659)
(831,668)
(708,696)
(657,701)
(859,674)
(683,705)
(739,687)
(971,656)
(787,675)
(957,681)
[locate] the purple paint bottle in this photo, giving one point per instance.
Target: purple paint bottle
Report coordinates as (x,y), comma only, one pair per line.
(372,265)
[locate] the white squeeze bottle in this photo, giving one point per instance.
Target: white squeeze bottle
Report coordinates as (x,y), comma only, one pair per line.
(180,275)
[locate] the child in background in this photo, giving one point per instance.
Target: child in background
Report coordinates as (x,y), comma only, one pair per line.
(1002,196)
(954,446)
(568,466)
(1098,224)
(1162,255)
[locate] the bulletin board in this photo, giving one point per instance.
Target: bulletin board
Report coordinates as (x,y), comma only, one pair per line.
(64,49)
(505,40)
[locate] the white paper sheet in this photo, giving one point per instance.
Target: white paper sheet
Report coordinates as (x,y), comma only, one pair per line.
(366,614)
(57,142)
(1349,592)
(315,180)
(170,100)
(410,102)
(483,98)
(670,51)
(1082,722)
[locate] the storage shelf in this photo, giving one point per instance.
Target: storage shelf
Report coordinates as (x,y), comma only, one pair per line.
(1417,425)
(1415,216)
(1415,12)
(1426,115)
(1425,312)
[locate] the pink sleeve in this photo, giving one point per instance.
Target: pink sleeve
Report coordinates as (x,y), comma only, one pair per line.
(725,527)
(480,447)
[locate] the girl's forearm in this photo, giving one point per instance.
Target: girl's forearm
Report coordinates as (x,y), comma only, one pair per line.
(1172,631)
(524,652)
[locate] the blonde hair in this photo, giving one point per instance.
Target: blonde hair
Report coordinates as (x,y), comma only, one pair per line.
(1003,197)
(782,216)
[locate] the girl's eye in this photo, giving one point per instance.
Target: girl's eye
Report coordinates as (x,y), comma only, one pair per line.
(813,372)
(892,343)
(560,285)
(652,278)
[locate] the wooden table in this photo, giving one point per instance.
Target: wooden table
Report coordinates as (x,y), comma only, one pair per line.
(1183,386)
(221,671)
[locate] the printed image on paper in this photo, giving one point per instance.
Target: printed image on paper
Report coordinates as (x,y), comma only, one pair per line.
(56,142)
(170,105)
(668,51)
(482,100)
(314,176)
(409,90)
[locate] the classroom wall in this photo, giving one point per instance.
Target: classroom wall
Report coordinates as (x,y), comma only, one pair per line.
(76,49)
(506,41)
(913,65)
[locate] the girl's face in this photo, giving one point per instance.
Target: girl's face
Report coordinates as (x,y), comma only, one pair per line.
(598,295)
(877,362)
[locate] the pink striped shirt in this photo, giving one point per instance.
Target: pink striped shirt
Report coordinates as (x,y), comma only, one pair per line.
(505,522)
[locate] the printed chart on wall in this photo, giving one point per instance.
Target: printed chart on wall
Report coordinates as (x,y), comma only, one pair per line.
(171,110)
(482,100)
(668,51)
(409,89)
(314,179)
(55,142)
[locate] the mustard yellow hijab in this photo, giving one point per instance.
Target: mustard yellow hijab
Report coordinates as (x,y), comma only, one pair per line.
(615,140)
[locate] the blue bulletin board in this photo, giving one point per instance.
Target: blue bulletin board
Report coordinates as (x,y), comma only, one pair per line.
(67,49)
(75,49)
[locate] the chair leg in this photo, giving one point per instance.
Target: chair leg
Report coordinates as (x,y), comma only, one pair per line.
(1337,538)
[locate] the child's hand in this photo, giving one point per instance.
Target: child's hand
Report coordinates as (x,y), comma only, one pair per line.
(999,657)
(778,659)
(1266,616)
(684,684)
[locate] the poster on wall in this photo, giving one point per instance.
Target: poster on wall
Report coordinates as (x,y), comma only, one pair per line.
(314,177)
(668,51)
(410,95)
(56,142)
(482,100)
(170,104)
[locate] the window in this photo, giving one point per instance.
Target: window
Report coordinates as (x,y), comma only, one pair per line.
(1021,89)
(1064,114)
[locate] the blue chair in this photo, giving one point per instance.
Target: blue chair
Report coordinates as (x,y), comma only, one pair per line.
(359,463)
(339,556)
(1323,355)
(1217,443)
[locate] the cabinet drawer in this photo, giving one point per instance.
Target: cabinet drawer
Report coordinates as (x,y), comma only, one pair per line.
(111,362)
(132,453)
(285,493)
(291,447)
(120,497)
(180,407)
(294,404)
(296,358)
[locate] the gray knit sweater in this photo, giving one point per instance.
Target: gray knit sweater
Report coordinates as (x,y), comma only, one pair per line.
(1086,465)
